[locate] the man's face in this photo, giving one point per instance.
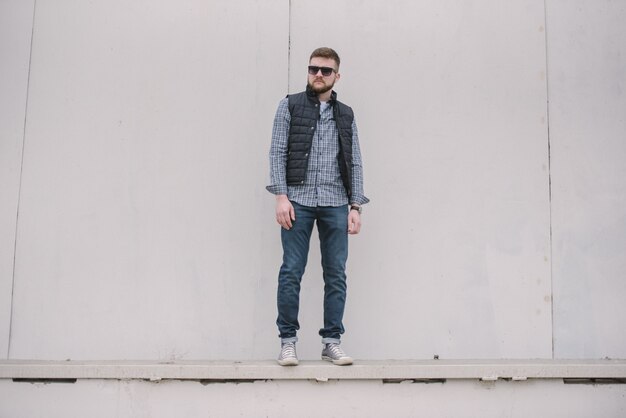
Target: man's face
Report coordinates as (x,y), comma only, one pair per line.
(318,82)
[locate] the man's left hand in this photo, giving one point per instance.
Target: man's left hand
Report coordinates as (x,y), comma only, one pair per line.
(354,222)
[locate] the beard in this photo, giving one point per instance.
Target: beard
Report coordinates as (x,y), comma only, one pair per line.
(320,89)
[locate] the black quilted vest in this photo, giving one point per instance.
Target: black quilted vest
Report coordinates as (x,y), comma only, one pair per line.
(305,112)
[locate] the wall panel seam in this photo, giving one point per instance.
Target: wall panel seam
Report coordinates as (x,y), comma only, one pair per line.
(547,87)
(19,192)
(289,49)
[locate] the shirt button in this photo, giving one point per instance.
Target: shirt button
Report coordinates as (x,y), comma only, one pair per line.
(312,127)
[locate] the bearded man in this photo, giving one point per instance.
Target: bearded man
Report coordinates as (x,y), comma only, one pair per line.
(316,174)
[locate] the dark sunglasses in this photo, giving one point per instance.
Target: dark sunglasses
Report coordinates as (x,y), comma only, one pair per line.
(326,71)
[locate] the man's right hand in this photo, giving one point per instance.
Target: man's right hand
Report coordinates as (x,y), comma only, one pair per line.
(285,214)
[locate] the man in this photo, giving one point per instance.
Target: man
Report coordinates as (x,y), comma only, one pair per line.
(317,176)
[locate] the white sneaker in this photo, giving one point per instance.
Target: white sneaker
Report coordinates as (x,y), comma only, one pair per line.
(288,355)
(332,352)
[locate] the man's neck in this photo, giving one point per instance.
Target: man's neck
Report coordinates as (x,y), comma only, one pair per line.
(324,97)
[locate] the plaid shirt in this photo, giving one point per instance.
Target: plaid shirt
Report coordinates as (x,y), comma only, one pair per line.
(323,185)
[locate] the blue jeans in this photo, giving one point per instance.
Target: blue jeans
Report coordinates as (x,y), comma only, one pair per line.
(332,226)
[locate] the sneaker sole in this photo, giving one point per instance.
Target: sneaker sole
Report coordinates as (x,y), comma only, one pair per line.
(345,361)
(288,362)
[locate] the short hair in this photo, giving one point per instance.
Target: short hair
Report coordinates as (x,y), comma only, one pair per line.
(325,52)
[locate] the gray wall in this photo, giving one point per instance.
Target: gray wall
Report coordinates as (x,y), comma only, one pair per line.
(587,61)
(497,222)
(16,23)
(132,399)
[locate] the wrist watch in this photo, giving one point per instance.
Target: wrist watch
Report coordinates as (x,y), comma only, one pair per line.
(357,208)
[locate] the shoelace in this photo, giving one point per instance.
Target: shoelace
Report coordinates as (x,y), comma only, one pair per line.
(289,350)
(336,351)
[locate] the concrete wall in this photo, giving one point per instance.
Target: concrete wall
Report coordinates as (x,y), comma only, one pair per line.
(313,399)
(145,232)
(16,23)
(454,257)
(587,61)
(136,221)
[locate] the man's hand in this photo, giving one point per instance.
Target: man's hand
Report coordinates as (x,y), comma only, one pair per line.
(285,213)
(354,222)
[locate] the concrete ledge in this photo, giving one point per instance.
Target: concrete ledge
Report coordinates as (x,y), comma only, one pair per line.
(315,370)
